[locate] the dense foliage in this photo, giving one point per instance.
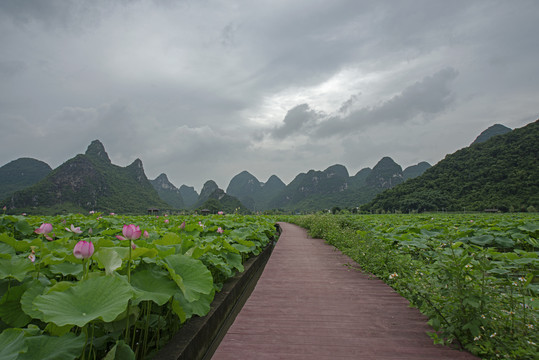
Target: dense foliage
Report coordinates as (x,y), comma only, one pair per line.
(99,287)
(500,173)
(474,275)
(21,173)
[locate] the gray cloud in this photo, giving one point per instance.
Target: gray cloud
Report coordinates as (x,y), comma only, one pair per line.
(297,119)
(424,98)
(429,96)
(10,68)
(206,89)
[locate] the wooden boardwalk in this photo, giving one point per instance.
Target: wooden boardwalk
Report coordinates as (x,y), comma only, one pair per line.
(310,304)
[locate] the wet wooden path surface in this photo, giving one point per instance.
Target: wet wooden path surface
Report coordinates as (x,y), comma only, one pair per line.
(310,304)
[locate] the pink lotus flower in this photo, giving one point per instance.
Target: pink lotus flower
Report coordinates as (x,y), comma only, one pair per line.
(133,246)
(146,235)
(220,213)
(166,221)
(219,230)
(182,226)
(44,229)
(130,232)
(75,230)
(32,257)
(83,249)
(4,208)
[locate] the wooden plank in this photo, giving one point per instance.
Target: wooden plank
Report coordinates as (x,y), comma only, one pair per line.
(310,303)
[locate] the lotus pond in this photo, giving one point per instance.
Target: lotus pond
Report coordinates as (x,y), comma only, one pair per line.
(114,287)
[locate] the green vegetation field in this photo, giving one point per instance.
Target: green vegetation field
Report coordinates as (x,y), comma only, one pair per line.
(473,275)
(113,287)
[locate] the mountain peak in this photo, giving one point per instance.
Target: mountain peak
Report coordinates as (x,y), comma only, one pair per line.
(243,184)
(274,180)
(415,170)
(162,178)
(385,174)
(496,129)
(189,195)
(97,150)
(168,192)
(209,187)
(136,164)
(337,169)
(162,181)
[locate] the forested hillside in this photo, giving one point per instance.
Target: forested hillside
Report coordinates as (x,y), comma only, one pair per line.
(21,173)
(501,173)
(89,182)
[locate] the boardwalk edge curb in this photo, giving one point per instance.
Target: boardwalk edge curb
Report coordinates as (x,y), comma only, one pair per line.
(200,336)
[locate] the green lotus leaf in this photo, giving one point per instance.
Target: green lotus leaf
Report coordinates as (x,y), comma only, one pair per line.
(234,260)
(241,233)
(143,252)
(481,239)
(10,307)
(20,245)
(165,250)
(201,307)
(7,249)
(178,310)
(526,261)
(109,259)
(153,284)
(35,288)
(191,275)
(123,252)
(56,330)
(54,258)
(195,252)
(415,243)
(168,239)
(100,242)
(120,351)
(247,243)
(102,298)
(529,227)
(16,268)
(111,231)
(504,242)
(66,268)
(242,248)
(44,347)
(24,228)
(228,247)
(60,286)
(12,344)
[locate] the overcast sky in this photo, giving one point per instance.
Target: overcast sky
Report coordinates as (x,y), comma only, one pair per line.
(203,90)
